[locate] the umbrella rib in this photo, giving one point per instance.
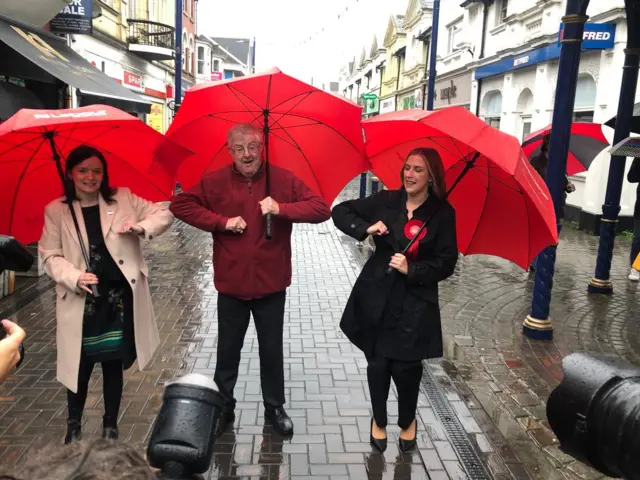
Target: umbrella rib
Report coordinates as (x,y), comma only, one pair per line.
(415,139)
(304,96)
(484,208)
(309,93)
(292,142)
(234,90)
(277,122)
(22,175)
(23,144)
(325,125)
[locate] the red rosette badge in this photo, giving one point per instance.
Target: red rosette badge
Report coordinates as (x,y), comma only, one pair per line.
(410,230)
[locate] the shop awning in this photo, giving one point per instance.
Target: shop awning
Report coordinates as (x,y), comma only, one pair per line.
(52,55)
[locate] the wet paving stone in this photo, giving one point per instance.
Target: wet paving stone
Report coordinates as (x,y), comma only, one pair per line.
(494,379)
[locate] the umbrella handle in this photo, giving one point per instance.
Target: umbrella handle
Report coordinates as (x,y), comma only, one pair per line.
(269,223)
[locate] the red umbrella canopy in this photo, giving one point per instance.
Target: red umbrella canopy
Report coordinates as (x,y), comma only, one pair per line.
(502,206)
(314,134)
(585,143)
(30,177)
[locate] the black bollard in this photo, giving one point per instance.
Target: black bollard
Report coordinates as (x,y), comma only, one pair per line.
(183,437)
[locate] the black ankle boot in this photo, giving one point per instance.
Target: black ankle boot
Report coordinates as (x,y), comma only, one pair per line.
(74,431)
(110,428)
(110,433)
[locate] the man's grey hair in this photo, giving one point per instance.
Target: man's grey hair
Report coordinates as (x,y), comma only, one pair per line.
(244,129)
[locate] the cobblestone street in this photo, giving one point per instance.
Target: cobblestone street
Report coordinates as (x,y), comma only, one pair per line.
(490,387)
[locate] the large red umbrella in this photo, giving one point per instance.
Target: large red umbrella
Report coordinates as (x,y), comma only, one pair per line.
(502,206)
(312,133)
(35,143)
(585,143)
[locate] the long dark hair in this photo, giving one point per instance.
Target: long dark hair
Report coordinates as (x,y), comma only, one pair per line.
(76,157)
(431,157)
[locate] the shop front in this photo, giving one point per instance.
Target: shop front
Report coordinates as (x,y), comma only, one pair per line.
(388,104)
(453,90)
(43,66)
(137,75)
(411,98)
(370,105)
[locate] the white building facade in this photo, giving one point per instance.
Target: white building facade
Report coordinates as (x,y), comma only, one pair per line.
(514,84)
(501,62)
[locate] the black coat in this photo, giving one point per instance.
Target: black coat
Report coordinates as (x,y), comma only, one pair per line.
(634,177)
(394,315)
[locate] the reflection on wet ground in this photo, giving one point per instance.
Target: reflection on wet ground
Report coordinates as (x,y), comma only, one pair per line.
(494,380)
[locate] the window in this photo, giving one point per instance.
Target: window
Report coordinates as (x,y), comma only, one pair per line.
(216,65)
(502,11)
(526,130)
(132,9)
(585,101)
(453,32)
(200,60)
(492,104)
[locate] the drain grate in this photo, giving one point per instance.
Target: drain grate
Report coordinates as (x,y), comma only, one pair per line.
(454,429)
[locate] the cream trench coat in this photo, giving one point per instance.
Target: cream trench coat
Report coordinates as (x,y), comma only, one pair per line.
(61,254)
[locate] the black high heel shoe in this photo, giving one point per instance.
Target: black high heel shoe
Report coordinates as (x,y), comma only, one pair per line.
(408,445)
(378,443)
(74,431)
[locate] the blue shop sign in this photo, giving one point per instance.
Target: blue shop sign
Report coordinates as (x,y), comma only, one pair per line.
(516,62)
(597,36)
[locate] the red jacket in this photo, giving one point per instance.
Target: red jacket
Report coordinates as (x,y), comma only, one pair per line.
(247,265)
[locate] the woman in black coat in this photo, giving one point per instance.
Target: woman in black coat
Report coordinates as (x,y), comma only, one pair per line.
(395,318)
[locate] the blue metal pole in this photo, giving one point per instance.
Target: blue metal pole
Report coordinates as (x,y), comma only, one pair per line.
(375,183)
(363,185)
(433,53)
(178,92)
(538,325)
(601,283)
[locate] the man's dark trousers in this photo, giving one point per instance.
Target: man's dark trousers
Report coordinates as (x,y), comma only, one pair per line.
(233,321)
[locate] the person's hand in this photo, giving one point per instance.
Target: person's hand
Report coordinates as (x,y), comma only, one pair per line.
(236,225)
(571,188)
(269,205)
(9,349)
(378,228)
(85,280)
(128,228)
(399,262)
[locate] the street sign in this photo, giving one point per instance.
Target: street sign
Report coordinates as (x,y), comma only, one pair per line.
(369,96)
(597,36)
(629,147)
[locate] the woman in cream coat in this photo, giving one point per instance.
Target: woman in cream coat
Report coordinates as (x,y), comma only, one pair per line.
(118,326)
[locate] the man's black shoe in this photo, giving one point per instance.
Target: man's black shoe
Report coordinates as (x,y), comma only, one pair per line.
(226,419)
(280,421)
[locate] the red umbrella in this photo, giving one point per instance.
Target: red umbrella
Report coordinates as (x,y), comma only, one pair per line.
(32,140)
(585,143)
(502,206)
(314,134)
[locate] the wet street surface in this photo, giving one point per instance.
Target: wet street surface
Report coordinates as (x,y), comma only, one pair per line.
(481,409)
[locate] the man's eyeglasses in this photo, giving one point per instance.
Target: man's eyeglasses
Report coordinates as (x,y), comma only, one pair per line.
(253,148)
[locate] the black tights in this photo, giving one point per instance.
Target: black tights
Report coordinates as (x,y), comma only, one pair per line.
(406,376)
(112,377)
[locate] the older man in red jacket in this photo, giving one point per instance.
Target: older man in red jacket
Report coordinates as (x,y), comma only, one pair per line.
(251,273)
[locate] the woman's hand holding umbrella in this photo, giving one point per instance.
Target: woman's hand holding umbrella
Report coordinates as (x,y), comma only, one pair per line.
(85,280)
(399,262)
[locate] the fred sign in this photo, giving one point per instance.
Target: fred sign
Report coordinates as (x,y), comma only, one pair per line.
(597,36)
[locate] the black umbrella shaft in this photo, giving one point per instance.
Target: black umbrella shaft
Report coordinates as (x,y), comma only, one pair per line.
(266,168)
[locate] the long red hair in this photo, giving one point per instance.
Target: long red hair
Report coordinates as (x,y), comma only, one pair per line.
(435,166)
